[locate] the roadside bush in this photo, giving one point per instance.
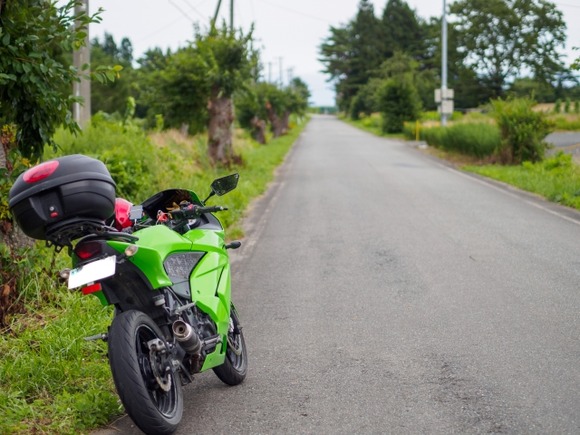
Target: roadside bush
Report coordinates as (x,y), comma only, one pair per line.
(522,130)
(399,102)
(125,149)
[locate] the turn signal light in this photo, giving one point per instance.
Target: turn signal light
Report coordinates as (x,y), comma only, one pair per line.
(131,250)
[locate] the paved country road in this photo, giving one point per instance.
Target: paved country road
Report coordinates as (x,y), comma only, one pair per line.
(384,292)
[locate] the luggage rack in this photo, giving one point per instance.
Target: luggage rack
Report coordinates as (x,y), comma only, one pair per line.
(62,234)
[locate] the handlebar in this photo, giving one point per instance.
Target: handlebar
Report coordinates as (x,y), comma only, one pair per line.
(195,211)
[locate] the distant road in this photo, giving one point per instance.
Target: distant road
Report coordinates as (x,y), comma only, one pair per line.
(383,292)
(569,142)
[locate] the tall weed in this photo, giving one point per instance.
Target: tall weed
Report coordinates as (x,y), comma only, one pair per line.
(474,139)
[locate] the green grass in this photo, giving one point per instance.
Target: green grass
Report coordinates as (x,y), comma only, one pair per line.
(52,380)
(556,179)
(568,122)
(372,124)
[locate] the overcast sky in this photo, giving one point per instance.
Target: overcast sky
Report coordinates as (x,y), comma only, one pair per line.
(288,32)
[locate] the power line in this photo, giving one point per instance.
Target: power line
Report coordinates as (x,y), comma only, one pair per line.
(155,32)
(182,11)
(296,12)
(194,10)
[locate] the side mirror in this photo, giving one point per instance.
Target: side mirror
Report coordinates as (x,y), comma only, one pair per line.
(226,184)
(221,186)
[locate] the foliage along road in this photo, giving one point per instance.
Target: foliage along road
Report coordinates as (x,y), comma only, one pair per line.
(384,292)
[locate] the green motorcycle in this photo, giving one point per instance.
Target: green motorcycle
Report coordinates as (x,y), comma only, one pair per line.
(164,266)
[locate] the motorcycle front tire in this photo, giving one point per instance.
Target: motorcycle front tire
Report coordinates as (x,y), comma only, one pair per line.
(148,387)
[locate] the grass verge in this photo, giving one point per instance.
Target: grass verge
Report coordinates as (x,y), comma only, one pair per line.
(53,381)
(556,178)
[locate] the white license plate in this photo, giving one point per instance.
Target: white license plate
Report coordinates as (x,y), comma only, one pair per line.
(92,272)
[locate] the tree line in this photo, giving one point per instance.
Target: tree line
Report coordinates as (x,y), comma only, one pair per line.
(185,89)
(193,88)
(496,48)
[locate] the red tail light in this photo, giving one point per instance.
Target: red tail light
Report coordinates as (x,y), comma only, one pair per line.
(40,172)
(88,250)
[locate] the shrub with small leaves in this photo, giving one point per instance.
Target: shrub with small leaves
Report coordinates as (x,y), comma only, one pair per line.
(522,130)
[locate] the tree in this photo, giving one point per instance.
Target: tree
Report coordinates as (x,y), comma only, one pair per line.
(403,30)
(35,98)
(112,97)
(265,101)
(352,52)
(398,99)
(229,61)
(336,55)
(146,83)
(251,109)
(500,38)
(468,88)
(178,89)
(35,77)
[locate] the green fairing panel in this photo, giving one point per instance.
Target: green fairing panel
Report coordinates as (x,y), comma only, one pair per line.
(210,286)
(210,279)
(217,306)
(155,243)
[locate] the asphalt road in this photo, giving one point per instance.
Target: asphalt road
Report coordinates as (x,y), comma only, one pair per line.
(384,292)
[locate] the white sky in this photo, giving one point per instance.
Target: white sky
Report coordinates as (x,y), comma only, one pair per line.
(288,32)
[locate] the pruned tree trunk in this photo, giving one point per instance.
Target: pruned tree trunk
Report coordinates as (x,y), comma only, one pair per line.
(276,121)
(258,130)
(221,118)
(286,121)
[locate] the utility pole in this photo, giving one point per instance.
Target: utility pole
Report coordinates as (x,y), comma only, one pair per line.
(290,74)
(444,96)
(81,57)
(217,11)
(444,61)
(280,65)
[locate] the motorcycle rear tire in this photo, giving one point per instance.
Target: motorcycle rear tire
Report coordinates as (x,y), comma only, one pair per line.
(235,367)
(154,410)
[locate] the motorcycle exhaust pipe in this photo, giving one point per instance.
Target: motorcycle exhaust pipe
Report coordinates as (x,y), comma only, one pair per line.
(186,336)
